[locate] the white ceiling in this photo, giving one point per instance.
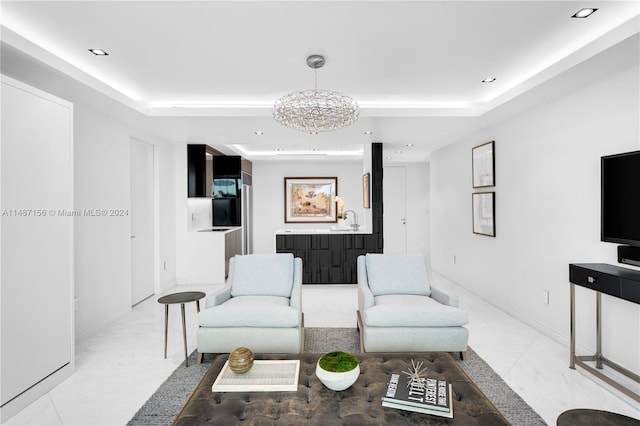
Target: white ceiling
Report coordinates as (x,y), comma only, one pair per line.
(415,67)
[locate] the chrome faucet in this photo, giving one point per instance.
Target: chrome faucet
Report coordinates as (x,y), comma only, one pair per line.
(354,223)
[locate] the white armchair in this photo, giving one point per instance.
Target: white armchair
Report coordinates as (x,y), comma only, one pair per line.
(260,307)
(398,311)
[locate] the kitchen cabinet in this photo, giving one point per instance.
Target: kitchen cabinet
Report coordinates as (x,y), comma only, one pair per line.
(232,247)
(208,254)
(232,197)
(200,160)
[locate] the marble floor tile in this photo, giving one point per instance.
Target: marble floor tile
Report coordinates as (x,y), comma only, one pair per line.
(122,364)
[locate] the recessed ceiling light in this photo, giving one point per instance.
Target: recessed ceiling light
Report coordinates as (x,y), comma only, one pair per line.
(314,149)
(409,145)
(585,12)
(399,151)
(368,132)
(98,52)
(388,158)
(258,132)
(489,80)
(278,149)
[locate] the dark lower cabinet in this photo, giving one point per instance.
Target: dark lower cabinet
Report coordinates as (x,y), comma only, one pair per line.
(329,258)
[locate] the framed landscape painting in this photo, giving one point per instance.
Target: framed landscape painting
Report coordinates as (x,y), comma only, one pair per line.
(310,199)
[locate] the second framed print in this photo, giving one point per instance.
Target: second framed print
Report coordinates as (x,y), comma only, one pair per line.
(310,199)
(484,219)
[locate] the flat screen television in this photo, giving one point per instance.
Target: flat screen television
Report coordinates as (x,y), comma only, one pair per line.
(620,215)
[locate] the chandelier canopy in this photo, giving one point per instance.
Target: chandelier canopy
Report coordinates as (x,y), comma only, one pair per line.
(316,110)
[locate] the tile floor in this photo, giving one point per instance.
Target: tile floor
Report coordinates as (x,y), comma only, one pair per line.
(121,365)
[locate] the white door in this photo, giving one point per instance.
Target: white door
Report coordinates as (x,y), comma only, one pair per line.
(394,192)
(36,253)
(142,217)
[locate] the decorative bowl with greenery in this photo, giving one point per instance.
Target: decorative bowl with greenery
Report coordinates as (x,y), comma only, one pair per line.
(338,370)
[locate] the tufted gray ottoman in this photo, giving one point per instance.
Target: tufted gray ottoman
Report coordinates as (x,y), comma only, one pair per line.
(314,404)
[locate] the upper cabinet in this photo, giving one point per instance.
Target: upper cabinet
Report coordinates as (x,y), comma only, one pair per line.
(228,166)
(200,170)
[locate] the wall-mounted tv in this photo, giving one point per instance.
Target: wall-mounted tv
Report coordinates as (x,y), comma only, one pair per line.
(621,198)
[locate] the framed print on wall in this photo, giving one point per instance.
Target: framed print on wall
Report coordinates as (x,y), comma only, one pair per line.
(366,201)
(484,219)
(483,164)
(310,199)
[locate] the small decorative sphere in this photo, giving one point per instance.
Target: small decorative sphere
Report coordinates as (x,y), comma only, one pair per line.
(241,360)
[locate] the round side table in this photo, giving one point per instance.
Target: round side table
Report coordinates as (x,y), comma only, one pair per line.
(181,298)
(586,417)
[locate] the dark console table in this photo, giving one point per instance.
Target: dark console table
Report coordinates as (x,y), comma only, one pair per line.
(615,281)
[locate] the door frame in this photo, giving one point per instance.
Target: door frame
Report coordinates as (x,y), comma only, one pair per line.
(157,289)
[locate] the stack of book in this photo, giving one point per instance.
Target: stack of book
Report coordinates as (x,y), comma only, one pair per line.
(425,395)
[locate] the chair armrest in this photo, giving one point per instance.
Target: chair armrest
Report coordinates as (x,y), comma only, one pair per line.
(365,297)
(219,297)
(296,290)
(444,298)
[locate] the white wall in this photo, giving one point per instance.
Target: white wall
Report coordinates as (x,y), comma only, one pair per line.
(103,245)
(268,195)
(547,206)
(167,214)
(102,131)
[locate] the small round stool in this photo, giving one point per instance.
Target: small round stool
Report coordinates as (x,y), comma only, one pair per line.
(586,417)
(181,298)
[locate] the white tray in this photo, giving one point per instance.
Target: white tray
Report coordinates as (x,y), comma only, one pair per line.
(264,376)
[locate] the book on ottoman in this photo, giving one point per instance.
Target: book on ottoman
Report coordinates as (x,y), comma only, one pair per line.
(425,395)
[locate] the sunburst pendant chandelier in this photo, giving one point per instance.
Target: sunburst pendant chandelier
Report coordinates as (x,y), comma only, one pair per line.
(316,110)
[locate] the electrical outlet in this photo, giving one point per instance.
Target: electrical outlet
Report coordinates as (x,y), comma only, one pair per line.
(545,297)
(164,265)
(454,259)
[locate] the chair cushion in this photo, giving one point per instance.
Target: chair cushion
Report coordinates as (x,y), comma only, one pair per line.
(404,310)
(251,311)
(263,275)
(397,274)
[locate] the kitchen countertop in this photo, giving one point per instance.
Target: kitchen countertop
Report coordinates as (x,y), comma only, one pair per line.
(311,231)
(220,229)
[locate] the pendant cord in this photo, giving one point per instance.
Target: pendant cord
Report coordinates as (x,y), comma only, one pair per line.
(315,73)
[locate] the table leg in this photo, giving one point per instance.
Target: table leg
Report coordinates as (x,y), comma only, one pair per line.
(572,322)
(197,305)
(166,327)
(598,330)
(184,336)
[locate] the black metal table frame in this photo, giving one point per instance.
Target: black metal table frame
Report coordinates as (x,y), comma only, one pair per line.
(190,296)
(597,357)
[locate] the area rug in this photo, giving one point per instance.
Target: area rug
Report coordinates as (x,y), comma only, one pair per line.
(165,404)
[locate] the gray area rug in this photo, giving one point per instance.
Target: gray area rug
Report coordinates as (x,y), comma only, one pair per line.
(165,404)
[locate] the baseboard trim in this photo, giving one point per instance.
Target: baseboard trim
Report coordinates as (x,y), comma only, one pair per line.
(102,324)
